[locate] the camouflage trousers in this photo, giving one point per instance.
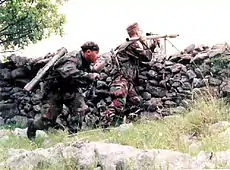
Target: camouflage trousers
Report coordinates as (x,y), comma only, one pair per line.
(74,102)
(122,92)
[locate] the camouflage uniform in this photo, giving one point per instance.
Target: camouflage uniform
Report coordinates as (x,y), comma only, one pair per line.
(68,74)
(128,58)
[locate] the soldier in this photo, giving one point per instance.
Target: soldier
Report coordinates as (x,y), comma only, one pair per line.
(128,58)
(68,74)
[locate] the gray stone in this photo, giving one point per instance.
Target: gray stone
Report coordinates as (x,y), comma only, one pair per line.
(18,73)
(18,60)
(156,91)
(5,74)
(176,84)
(225,134)
(191,74)
(103,76)
(27,107)
(125,127)
(194,147)
(101,104)
(4,138)
(219,127)
(108,80)
(151,74)
(168,63)
(8,110)
(36,99)
(19,120)
(153,103)
(185,58)
(151,115)
(190,48)
(170,103)
(158,66)
(37,108)
(163,83)
(109,156)
(146,95)
(22,132)
(197,83)
(176,68)
(188,139)
(200,57)
(186,86)
(214,81)
(153,82)
(1,121)
(102,85)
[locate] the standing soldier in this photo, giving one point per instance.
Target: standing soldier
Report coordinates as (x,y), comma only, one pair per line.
(127,59)
(61,87)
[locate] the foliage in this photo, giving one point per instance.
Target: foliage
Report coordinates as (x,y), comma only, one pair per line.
(220,62)
(4,59)
(27,21)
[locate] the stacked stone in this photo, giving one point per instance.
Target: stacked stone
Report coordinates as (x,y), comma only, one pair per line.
(16,104)
(169,82)
(164,83)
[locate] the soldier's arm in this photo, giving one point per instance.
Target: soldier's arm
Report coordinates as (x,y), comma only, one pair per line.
(45,89)
(47,86)
(143,54)
(72,69)
(100,64)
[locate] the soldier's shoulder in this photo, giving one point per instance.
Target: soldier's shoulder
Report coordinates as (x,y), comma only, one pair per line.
(123,45)
(107,56)
(73,56)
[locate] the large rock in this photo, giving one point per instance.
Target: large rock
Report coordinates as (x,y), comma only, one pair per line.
(104,155)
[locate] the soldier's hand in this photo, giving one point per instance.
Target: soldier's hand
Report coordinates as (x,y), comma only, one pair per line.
(95,76)
(99,66)
(142,38)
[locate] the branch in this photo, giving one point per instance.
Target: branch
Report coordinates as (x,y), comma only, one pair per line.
(10,51)
(10,24)
(9,34)
(4,28)
(7,40)
(2,1)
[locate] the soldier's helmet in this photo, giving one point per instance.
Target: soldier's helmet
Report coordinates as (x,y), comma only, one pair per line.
(90,45)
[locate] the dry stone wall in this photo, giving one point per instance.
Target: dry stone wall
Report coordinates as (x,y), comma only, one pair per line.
(165,83)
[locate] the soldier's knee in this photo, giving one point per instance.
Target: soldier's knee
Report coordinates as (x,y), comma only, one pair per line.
(118,91)
(138,99)
(84,108)
(41,123)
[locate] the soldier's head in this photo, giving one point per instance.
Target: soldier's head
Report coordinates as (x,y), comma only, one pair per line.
(134,30)
(90,50)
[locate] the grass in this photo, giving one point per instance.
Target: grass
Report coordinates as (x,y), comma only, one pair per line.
(11,126)
(167,133)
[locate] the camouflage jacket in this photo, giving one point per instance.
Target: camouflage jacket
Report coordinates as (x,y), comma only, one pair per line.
(129,56)
(68,74)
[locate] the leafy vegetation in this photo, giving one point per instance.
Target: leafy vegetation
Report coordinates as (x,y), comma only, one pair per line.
(27,21)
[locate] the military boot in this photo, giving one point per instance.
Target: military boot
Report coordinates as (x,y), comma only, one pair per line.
(31,130)
(107,119)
